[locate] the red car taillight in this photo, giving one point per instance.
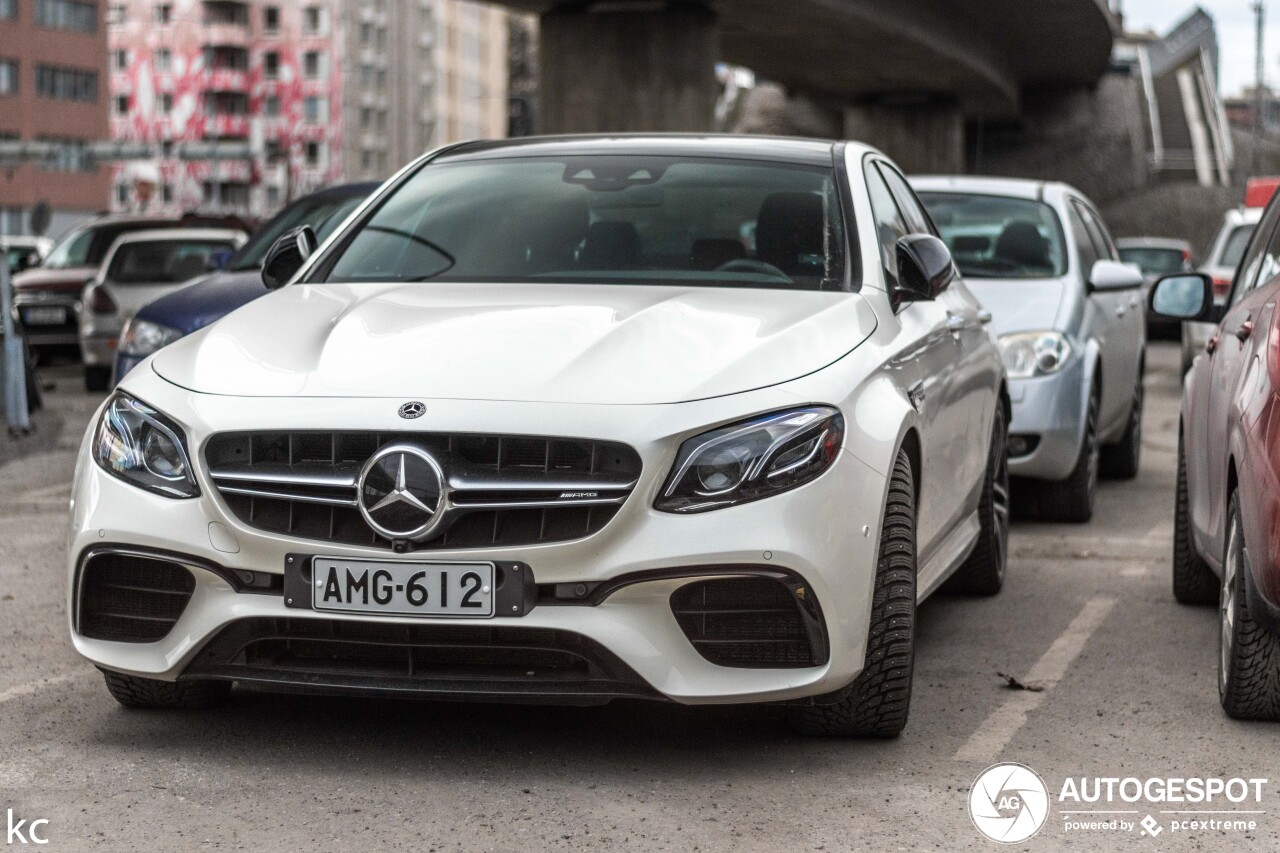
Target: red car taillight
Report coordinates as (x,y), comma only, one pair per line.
(100,302)
(1221,286)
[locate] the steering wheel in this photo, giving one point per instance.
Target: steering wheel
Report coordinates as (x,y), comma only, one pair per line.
(752,265)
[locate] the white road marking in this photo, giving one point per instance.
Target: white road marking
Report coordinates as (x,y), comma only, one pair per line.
(21,690)
(1134,572)
(995,732)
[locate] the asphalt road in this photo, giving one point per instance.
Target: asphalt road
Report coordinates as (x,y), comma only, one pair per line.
(1127,680)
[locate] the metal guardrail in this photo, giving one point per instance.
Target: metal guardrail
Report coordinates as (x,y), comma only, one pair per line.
(15,356)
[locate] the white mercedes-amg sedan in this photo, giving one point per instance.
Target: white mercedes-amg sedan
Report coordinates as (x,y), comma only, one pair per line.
(562,420)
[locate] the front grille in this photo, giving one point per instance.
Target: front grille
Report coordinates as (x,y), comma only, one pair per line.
(507,490)
(751,622)
(131,599)
(445,661)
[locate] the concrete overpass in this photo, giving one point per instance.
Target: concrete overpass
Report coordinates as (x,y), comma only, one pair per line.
(906,73)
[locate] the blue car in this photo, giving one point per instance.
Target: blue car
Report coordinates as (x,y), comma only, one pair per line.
(171,317)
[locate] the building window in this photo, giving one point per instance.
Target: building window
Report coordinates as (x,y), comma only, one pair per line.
(121,104)
(8,10)
(117,13)
(66,84)
(315,109)
(314,152)
(274,153)
(271,65)
(75,16)
(119,60)
(272,106)
(69,156)
(8,76)
(313,21)
(163,60)
(273,196)
(166,193)
(163,13)
(166,104)
(366,118)
(122,194)
(313,64)
(271,19)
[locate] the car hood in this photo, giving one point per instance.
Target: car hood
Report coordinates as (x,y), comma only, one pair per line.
(1020,304)
(68,280)
(604,344)
(205,300)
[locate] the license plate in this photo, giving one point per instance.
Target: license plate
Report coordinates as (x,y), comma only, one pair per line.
(410,589)
(44,316)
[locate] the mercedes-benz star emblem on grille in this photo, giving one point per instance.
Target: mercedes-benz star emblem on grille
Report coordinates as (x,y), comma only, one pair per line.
(402,492)
(413,409)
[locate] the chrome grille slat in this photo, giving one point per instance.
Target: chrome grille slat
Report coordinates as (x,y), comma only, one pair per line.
(304,483)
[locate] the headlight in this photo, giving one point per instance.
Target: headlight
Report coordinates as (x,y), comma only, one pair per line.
(1028,354)
(138,444)
(142,337)
(752,460)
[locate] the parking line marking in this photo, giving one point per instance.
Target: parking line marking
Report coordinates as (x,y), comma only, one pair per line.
(995,732)
(22,690)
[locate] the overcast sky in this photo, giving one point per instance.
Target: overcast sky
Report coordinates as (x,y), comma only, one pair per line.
(1234,21)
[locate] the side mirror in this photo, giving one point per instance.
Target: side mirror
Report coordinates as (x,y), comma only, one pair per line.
(1113,275)
(287,255)
(1186,296)
(925,268)
(218,260)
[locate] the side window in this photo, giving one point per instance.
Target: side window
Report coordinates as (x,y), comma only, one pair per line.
(890,224)
(1085,248)
(910,206)
(1101,239)
(1261,261)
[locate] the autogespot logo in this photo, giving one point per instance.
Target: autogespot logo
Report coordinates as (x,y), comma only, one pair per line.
(1009,803)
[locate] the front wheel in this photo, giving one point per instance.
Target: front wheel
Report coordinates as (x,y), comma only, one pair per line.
(1249,659)
(1072,499)
(1120,460)
(877,702)
(134,692)
(983,572)
(97,378)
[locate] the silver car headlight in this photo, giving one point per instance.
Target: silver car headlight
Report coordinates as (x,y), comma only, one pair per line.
(752,460)
(142,337)
(1028,354)
(143,447)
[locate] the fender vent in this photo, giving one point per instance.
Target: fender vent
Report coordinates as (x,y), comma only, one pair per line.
(129,599)
(749,622)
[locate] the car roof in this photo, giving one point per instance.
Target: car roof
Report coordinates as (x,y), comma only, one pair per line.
(735,146)
(153,235)
(1151,243)
(981,185)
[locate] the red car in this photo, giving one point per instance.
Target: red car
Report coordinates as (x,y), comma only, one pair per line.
(1226,545)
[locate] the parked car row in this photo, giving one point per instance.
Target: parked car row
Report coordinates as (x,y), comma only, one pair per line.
(760,397)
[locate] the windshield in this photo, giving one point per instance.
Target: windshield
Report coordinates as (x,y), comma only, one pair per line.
(315,211)
(163,261)
(997,237)
(1156,261)
(606,219)
(73,251)
(1233,249)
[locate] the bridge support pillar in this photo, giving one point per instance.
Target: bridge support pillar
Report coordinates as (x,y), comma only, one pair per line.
(628,71)
(923,136)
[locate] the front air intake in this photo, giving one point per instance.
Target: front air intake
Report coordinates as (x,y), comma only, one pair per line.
(131,599)
(751,622)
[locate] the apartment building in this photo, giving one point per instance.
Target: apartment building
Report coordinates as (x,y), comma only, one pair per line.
(320,92)
(53,87)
